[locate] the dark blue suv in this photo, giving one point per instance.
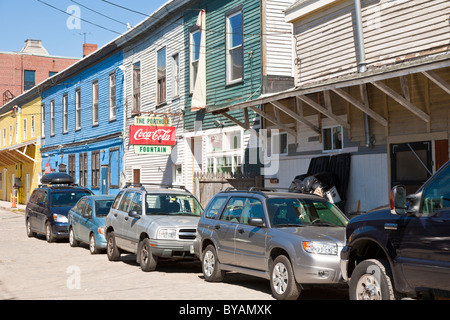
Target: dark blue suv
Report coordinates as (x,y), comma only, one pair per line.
(47,209)
(403,250)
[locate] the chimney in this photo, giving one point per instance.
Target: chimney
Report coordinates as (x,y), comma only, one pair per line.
(88,48)
(34,47)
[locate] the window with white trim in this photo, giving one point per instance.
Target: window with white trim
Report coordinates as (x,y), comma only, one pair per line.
(332,138)
(52,117)
(78,109)
(43,120)
(175,75)
(95,103)
(224,153)
(65,113)
(234,47)
(24,129)
(194,56)
(112,97)
(161,76)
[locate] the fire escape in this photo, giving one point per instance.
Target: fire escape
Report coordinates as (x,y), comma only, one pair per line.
(7,96)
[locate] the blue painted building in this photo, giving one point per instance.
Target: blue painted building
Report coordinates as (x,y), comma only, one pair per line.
(82,121)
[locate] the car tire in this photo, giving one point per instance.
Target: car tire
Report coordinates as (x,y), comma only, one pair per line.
(30,233)
(49,236)
(282,280)
(371,280)
(93,249)
(146,259)
(72,241)
(112,251)
(211,266)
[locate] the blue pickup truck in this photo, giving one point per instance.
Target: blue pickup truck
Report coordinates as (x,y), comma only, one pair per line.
(403,250)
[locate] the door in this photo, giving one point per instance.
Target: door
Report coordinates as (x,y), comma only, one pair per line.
(85,221)
(131,223)
(77,215)
(424,236)
(411,164)
(105,180)
(250,241)
(122,220)
(225,229)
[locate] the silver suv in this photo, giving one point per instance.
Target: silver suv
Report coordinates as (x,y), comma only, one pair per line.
(290,239)
(153,222)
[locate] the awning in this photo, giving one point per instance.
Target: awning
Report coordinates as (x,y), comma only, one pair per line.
(17,154)
(301,95)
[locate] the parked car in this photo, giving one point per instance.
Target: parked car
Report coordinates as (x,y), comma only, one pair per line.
(46,210)
(402,250)
(290,239)
(87,222)
(153,222)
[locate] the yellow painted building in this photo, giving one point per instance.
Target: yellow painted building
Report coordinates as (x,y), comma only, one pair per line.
(20,157)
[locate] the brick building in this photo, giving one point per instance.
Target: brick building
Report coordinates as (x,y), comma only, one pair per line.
(20,71)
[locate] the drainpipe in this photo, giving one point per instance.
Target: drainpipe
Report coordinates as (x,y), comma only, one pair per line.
(362,61)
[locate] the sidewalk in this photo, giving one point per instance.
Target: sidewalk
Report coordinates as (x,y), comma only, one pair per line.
(7,205)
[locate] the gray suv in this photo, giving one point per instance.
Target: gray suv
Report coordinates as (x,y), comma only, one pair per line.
(152,222)
(291,239)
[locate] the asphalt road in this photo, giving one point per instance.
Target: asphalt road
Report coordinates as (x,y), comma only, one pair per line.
(31,268)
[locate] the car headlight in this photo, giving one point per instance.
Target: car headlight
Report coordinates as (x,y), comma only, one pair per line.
(320,247)
(60,218)
(167,233)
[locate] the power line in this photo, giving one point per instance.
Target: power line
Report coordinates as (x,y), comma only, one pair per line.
(99,13)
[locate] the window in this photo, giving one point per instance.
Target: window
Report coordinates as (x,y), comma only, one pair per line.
(4,136)
(194,56)
(214,208)
(161,77)
(175,75)
(78,109)
(32,126)
(136,87)
(65,113)
(24,129)
(112,96)
(332,138)
(95,103)
(234,51)
(233,210)
(72,165)
(95,169)
(83,169)
(43,120)
(52,117)
(224,152)
(52,73)
(29,79)
(10,133)
(279,142)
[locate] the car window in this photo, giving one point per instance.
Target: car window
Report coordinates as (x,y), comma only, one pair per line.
(66,198)
(80,205)
(301,212)
(233,210)
(214,207)
(117,200)
(87,210)
(102,207)
(436,194)
(252,209)
(126,201)
(42,197)
(173,204)
(137,203)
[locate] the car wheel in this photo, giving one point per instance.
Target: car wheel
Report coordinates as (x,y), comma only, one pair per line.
(112,251)
(146,259)
(92,245)
(211,266)
(30,233)
(72,241)
(49,233)
(282,280)
(371,280)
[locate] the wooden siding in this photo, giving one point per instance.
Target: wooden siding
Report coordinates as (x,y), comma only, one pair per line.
(83,80)
(278,39)
(393,31)
(155,168)
(218,93)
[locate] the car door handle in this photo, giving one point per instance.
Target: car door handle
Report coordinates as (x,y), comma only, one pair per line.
(126,218)
(241,231)
(390,226)
(217,227)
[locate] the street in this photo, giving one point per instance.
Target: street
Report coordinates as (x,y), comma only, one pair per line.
(31,268)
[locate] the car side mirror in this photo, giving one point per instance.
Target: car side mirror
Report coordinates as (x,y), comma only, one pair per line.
(398,200)
(134,214)
(256,222)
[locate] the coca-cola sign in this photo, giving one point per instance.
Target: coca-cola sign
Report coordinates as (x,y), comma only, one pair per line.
(160,135)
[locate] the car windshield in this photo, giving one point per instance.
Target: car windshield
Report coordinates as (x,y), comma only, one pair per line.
(172,204)
(66,198)
(102,207)
(285,212)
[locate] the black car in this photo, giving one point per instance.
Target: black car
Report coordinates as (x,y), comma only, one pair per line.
(402,250)
(47,209)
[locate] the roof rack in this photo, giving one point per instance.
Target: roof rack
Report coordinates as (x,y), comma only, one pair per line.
(142,185)
(57,178)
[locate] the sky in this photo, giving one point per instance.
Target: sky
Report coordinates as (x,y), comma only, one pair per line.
(56,22)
